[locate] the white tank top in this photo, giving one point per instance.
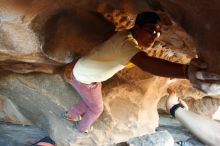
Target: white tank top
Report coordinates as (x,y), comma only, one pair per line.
(106,59)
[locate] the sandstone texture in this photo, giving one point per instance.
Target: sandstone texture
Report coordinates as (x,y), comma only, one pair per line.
(38,38)
(194,17)
(20,135)
(157,139)
(42,98)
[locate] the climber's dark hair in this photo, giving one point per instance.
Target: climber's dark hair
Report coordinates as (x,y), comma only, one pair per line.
(147,18)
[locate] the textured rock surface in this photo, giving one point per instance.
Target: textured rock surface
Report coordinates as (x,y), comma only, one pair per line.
(197,101)
(45,33)
(20,135)
(162,138)
(41,36)
(207,106)
(9,112)
(42,98)
(194,17)
(38,98)
(36,23)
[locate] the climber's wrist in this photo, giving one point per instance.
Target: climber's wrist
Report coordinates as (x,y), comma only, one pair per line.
(174,108)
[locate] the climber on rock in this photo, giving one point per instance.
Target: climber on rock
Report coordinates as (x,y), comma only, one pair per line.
(123,49)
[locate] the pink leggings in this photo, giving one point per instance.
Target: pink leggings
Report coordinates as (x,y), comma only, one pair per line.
(90,105)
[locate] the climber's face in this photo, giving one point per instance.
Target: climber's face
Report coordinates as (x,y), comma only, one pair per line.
(146,34)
